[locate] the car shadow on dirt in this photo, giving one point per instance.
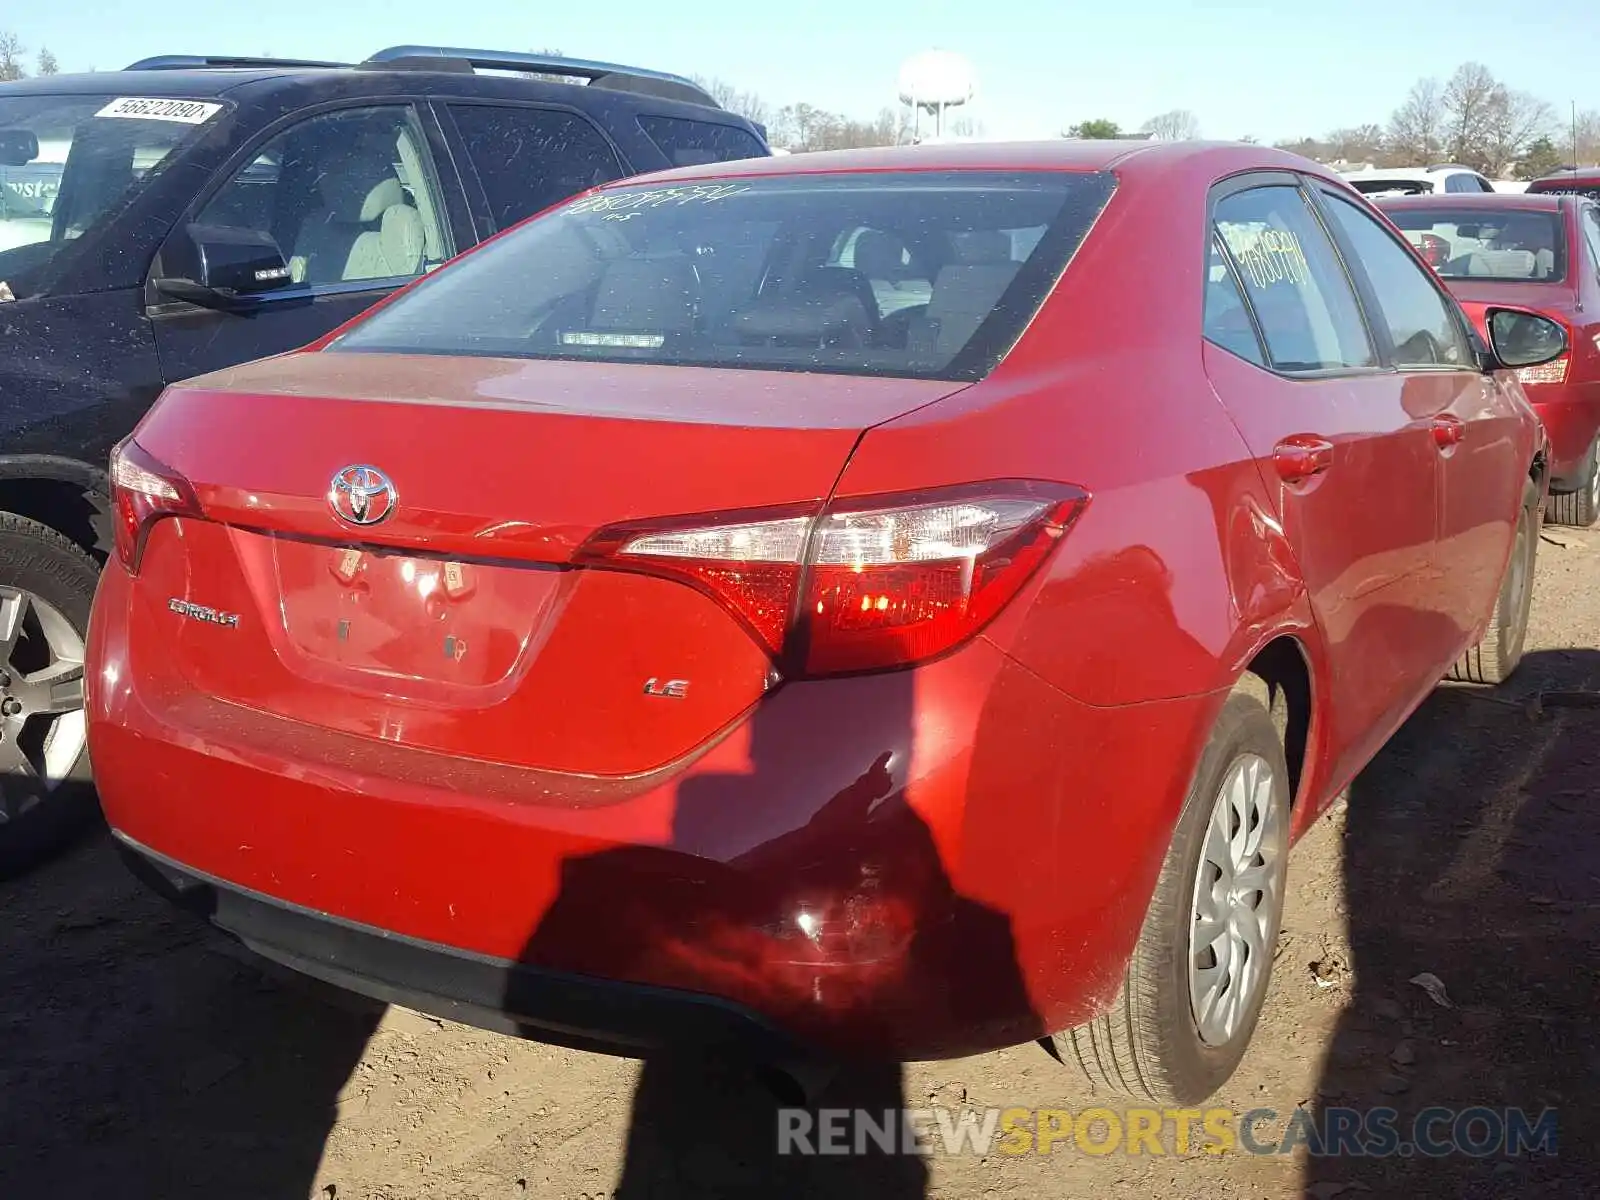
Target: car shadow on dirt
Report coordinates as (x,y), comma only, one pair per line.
(140,1058)
(1472,878)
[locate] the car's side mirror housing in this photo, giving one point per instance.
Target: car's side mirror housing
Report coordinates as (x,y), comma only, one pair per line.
(219,266)
(1522,338)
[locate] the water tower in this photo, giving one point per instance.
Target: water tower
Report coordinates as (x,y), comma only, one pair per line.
(932,82)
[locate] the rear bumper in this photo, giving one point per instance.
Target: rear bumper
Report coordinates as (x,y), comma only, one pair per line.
(917,865)
(1571,420)
(509,997)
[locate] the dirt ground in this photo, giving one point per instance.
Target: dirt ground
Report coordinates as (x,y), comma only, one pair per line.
(139,1059)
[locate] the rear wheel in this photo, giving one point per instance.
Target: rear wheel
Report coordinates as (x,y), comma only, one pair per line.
(46,590)
(1194,987)
(1495,658)
(1580,507)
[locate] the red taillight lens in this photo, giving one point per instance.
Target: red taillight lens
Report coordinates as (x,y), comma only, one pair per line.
(1550,372)
(888,581)
(142,491)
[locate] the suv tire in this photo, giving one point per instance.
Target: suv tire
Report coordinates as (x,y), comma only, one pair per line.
(47,586)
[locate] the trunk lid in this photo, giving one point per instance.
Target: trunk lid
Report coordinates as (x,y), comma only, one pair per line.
(460,624)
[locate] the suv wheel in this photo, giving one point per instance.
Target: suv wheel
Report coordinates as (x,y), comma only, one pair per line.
(47,587)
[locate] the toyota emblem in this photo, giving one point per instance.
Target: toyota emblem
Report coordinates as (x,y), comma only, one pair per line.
(361,495)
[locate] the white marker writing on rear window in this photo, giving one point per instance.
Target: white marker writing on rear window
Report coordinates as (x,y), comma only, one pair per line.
(185,112)
(613,202)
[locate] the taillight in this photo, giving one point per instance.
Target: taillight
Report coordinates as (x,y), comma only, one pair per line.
(144,490)
(1554,371)
(865,584)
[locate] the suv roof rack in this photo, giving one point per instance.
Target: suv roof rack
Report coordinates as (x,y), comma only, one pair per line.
(193,62)
(599,74)
(1452,167)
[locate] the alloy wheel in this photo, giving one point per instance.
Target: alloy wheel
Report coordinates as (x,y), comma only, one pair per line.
(43,726)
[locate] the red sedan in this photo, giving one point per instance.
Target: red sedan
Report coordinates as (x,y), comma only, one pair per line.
(895,603)
(1540,251)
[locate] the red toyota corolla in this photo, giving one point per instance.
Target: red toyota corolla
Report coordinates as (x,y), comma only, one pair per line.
(1542,251)
(895,603)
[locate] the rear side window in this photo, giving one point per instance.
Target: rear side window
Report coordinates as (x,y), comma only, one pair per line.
(1293,280)
(750,273)
(686,143)
(1589,220)
(530,158)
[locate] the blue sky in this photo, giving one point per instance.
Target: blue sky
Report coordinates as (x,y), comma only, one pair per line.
(1270,70)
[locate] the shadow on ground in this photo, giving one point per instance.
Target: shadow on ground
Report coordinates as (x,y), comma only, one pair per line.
(1472,853)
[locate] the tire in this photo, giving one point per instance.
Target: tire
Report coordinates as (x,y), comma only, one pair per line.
(1579,508)
(1497,656)
(49,583)
(1150,1046)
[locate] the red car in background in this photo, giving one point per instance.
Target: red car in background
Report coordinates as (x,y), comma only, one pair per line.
(1580,181)
(1542,251)
(890,603)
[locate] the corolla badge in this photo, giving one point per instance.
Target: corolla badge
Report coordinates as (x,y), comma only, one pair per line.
(362,495)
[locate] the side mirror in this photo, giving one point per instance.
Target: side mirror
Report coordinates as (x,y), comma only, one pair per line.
(218,266)
(1520,338)
(18,147)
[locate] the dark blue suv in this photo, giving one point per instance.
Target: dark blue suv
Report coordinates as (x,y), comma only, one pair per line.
(191,213)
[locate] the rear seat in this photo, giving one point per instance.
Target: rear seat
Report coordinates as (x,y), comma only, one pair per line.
(964,294)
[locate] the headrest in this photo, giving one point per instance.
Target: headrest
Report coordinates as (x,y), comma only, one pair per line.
(1516,264)
(878,255)
(827,303)
(385,195)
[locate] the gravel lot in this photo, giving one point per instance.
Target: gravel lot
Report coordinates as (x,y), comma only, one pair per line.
(138,1059)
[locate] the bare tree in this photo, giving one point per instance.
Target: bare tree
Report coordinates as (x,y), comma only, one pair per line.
(1515,122)
(47,62)
(1179,125)
(1416,130)
(746,104)
(11,51)
(1470,101)
(1359,144)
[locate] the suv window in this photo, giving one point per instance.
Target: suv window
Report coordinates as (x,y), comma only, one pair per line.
(1294,281)
(1227,320)
(1422,324)
(741,273)
(348,195)
(686,143)
(530,158)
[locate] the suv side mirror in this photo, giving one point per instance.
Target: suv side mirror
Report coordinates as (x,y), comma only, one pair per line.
(1519,338)
(221,267)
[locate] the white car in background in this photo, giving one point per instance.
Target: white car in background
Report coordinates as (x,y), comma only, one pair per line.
(1418,181)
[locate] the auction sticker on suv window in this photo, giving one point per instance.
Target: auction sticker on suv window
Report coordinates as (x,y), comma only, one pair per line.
(187,112)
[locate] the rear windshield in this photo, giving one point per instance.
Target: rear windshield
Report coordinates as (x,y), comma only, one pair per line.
(1510,245)
(922,274)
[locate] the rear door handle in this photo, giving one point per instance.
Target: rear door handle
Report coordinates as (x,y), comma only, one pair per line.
(1302,456)
(1448,431)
